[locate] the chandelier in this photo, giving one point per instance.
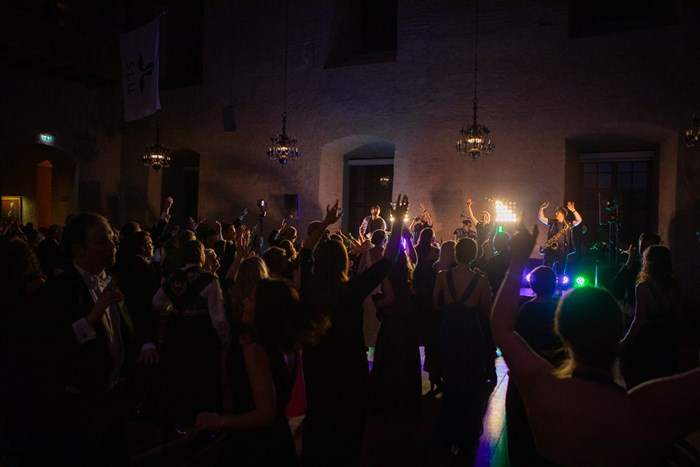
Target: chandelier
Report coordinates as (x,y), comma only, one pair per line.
(475,140)
(692,136)
(283,147)
(156,155)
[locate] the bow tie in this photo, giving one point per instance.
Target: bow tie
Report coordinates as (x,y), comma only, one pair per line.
(100,282)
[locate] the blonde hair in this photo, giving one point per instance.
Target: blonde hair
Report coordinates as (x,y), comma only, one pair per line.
(250,272)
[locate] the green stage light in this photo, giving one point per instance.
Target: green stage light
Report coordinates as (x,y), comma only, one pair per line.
(580,281)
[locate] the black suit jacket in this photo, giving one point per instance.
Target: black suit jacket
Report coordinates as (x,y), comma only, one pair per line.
(60,358)
(50,256)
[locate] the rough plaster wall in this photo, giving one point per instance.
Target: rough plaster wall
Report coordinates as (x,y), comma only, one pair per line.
(536,89)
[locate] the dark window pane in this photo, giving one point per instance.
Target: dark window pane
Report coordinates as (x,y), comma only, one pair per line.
(639,181)
(589,180)
(624,167)
(604,180)
(624,181)
(641,166)
(605,167)
(590,168)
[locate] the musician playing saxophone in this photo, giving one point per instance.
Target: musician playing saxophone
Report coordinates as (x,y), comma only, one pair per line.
(560,240)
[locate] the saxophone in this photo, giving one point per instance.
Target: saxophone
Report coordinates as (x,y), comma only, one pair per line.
(552,242)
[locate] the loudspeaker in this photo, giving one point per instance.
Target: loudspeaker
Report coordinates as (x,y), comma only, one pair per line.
(291,206)
(229,119)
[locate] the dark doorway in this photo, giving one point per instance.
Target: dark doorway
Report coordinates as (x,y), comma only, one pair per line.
(370,182)
(181,181)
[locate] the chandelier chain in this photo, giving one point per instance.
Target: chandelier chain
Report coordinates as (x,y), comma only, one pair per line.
(286,59)
(474,141)
(158,126)
(476,48)
(283,148)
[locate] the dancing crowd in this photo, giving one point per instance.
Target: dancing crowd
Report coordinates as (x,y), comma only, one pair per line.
(245,346)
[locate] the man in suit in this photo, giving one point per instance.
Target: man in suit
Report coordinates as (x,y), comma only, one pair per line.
(83,348)
(49,251)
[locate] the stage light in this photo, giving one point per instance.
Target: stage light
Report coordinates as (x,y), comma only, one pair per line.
(580,281)
(406,219)
(506,211)
(565,280)
(45,138)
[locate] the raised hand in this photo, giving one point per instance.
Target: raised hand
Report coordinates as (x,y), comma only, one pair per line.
(399,212)
(333,213)
(544,205)
(168,203)
(106,298)
(422,208)
(469,202)
(283,224)
(570,206)
(243,242)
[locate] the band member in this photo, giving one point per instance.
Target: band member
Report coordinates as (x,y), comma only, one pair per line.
(371,223)
(483,225)
(560,239)
(421,222)
(466,231)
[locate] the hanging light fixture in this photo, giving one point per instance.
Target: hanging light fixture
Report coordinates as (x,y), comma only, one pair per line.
(692,136)
(283,147)
(156,155)
(475,140)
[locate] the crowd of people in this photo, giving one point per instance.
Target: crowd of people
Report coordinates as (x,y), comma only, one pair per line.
(202,329)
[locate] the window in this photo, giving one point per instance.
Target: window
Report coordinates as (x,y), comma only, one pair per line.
(628,182)
(364,32)
(596,17)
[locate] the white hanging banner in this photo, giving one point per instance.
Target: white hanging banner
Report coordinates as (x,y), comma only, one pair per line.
(140,67)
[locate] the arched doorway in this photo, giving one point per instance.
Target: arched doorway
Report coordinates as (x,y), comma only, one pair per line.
(359,170)
(181,181)
(44,177)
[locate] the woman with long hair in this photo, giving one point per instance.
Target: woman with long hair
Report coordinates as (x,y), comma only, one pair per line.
(250,271)
(446,259)
(651,347)
(427,321)
(396,379)
(464,298)
(336,368)
(261,368)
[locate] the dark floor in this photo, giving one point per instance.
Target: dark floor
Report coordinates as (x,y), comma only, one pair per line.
(411,442)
